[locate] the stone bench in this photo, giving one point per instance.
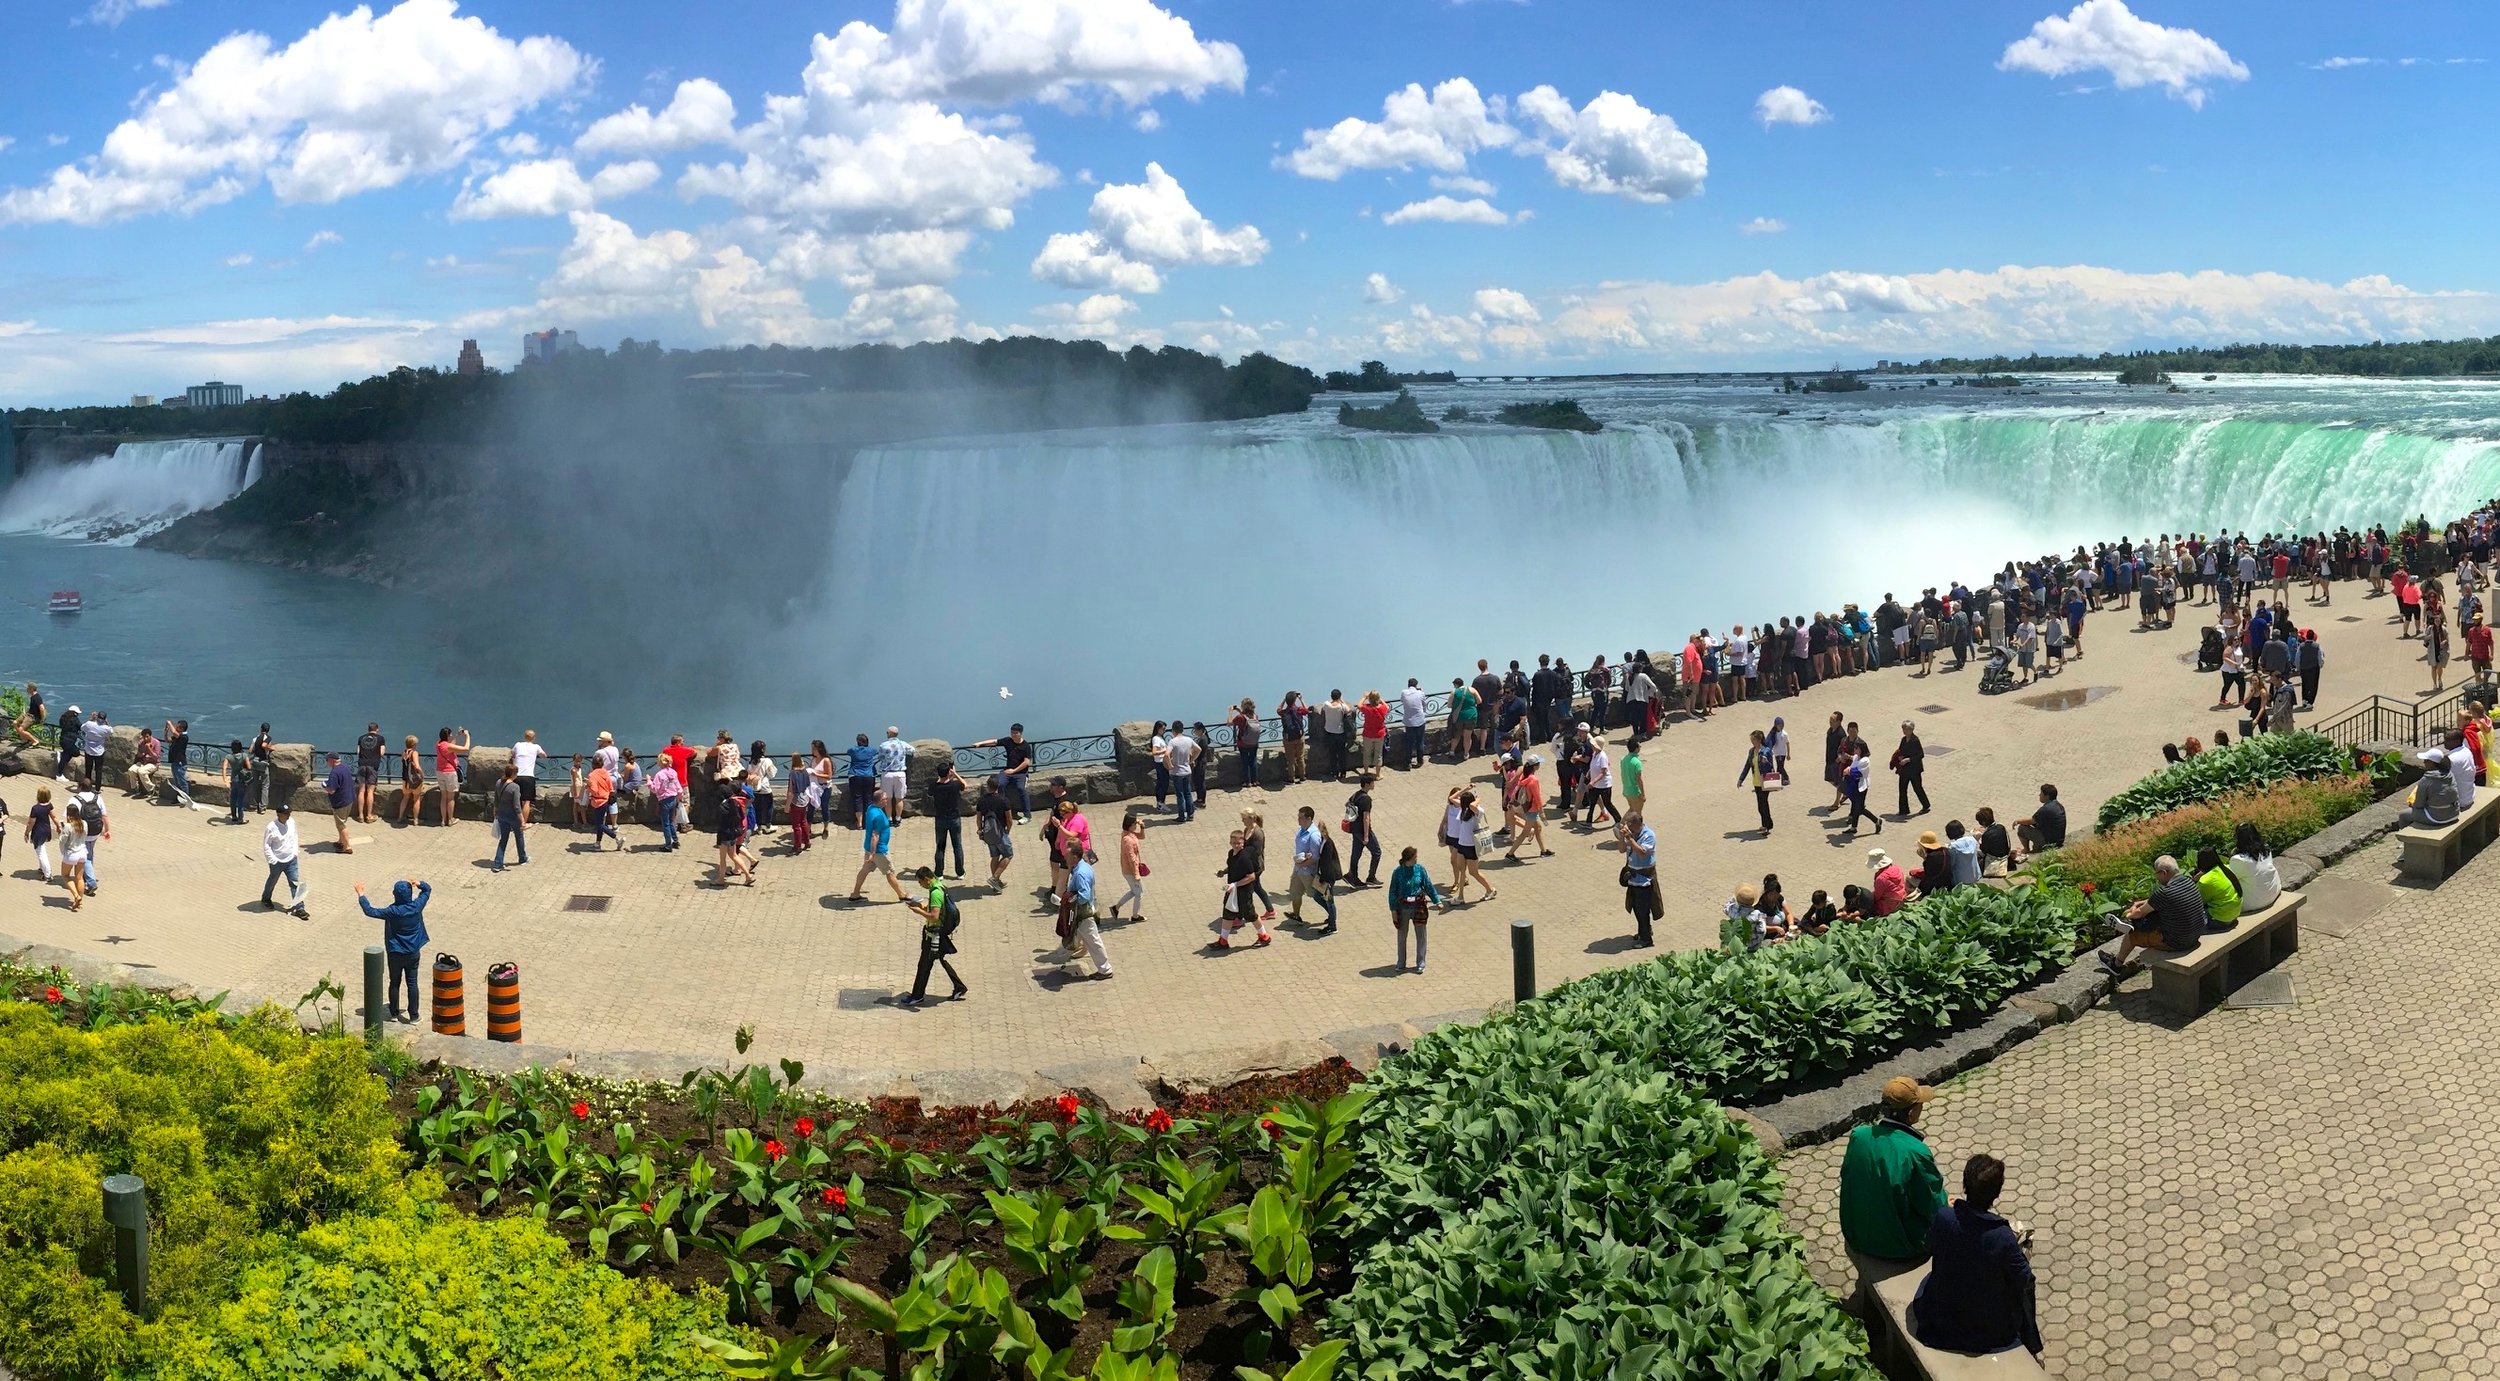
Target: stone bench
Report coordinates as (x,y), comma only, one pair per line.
(2186,984)
(2431,853)
(1900,1355)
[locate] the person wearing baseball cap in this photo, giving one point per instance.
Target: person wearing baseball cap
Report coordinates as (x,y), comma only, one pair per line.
(1889,1189)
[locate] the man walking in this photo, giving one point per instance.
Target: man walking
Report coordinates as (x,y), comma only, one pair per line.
(278,848)
(512,818)
(339,787)
(403,939)
(1910,761)
(876,843)
(87,803)
(938,919)
(946,812)
(369,746)
(1313,870)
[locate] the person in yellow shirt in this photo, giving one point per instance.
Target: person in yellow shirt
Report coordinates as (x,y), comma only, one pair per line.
(2220,888)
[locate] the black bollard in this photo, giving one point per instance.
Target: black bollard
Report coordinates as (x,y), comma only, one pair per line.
(1522,960)
(373,990)
(126,1209)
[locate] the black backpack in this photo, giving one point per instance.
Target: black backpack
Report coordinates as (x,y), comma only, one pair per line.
(90,811)
(1331,867)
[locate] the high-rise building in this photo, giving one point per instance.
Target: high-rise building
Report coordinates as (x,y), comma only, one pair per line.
(214,395)
(143,400)
(471,362)
(547,344)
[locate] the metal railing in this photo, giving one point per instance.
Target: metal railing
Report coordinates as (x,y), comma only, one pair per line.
(2381,719)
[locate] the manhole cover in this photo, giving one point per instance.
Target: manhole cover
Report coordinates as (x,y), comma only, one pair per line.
(1932,709)
(2074,699)
(579,902)
(862,999)
(2265,990)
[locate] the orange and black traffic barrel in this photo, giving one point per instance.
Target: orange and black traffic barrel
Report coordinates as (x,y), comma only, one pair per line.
(503,1003)
(451,1017)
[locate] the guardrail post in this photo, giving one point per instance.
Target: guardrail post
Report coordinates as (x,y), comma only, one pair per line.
(373,991)
(126,1209)
(1522,960)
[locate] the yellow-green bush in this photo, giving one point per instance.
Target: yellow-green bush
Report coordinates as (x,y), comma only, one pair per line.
(429,1294)
(2118,862)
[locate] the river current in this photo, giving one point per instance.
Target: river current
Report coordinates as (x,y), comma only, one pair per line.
(1152,572)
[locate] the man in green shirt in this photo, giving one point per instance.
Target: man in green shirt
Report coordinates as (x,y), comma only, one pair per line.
(938,918)
(1630,770)
(1889,1190)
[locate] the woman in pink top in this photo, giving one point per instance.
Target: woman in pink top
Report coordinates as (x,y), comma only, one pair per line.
(1132,866)
(1076,837)
(1892,886)
(666,787)
(447,751)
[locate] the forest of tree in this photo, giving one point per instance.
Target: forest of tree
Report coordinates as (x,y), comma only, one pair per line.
(2381,359)
(440,405)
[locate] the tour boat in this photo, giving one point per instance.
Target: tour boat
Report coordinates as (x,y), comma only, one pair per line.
(65,602)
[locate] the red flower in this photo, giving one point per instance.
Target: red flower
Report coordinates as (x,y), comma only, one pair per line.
(1158,1122)
(835,1196)
(1067,1107)
(1268,1125)
(806,1127)
(2089,889)
(52,995)
(646,1206)
(773,1149)
(581,1112)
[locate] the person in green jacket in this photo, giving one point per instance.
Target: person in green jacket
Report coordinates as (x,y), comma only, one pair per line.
(1889,1190)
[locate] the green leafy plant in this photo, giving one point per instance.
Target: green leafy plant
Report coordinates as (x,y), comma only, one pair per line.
(1047,1239)
(1184,1213)
(2261,760)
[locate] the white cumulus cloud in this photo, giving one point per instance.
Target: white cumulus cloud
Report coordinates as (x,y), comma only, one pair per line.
(1472,211)
(700,113)
(1137,229)
(1505,304)
(1467,186)
(1148,120)
(1378,288)
(1762,225)
(1786,105)
(110,13)
(2106,36)
(1615,146)
(358,103)
(1001,51)
(550,187)
(321,239)
(236,261)
(1439,129)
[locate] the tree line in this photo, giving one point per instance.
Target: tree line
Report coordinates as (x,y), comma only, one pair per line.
(2381,359)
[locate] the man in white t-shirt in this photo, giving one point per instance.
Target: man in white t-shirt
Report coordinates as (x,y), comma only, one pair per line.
(1411,716)
(1180,758)
(526,755)
(2461,768)
(1597,789)
(893,762)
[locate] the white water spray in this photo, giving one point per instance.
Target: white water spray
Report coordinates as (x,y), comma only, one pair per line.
(140,488)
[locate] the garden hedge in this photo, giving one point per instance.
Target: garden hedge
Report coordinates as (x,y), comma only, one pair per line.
(2118,862)
(2251,762)
(1549,1192)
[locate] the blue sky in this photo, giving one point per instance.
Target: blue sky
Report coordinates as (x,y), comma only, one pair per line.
(285,194)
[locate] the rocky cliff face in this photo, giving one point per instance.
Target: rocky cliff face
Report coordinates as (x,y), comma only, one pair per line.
(337,508)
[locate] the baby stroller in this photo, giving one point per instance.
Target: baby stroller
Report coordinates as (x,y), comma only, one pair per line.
(2209,651)
(1997,677)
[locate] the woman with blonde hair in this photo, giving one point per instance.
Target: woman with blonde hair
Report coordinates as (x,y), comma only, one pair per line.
(411,780)
(74,861)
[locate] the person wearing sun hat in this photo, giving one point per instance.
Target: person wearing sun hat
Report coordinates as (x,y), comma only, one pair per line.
(1935,864)
(1892,886)
(1890,1190)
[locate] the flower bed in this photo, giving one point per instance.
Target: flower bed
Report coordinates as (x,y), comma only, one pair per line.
(2251,762)
(2119,861)
(1550,1192)
(1056,1239)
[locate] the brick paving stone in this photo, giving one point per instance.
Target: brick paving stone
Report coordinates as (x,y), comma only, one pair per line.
(676,966)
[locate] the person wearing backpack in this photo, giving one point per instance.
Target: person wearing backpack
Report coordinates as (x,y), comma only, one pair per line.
(1315,869)
(86,806)
(938,919)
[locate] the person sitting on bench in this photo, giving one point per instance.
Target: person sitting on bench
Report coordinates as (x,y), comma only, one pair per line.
(2434,798)
(1979,1292)
(2172,920)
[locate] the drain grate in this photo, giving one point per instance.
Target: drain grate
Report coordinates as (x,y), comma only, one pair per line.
(1934,751)
(1933,709)
(2265,990)
(2349,618)
(581,902)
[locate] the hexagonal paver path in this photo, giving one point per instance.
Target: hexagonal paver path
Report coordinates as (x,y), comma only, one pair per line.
(2311,1191)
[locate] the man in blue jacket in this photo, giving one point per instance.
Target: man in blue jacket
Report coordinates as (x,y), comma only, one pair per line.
(1979,1291)
(403,938)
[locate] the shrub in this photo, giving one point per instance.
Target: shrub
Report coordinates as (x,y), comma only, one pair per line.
(428,1294)
(2119,861)
(1548,1193)
(2251,762)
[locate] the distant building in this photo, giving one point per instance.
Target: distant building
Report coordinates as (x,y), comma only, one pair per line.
(471,362)
(143,400)
(175,400)
(214,395)
(547,344)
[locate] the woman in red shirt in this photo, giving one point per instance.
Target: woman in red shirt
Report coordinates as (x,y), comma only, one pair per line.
(447,753)
(1375,712)
(1892,886)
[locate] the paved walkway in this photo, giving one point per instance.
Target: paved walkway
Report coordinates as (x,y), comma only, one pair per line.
(673,965)
(2283,1192)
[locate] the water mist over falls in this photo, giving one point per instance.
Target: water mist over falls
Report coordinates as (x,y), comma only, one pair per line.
(140,488)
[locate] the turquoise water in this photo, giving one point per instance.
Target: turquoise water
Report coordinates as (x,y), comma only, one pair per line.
(1104,576)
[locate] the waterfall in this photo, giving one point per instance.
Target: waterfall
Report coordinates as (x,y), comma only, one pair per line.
(1108,575)
(140,488)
